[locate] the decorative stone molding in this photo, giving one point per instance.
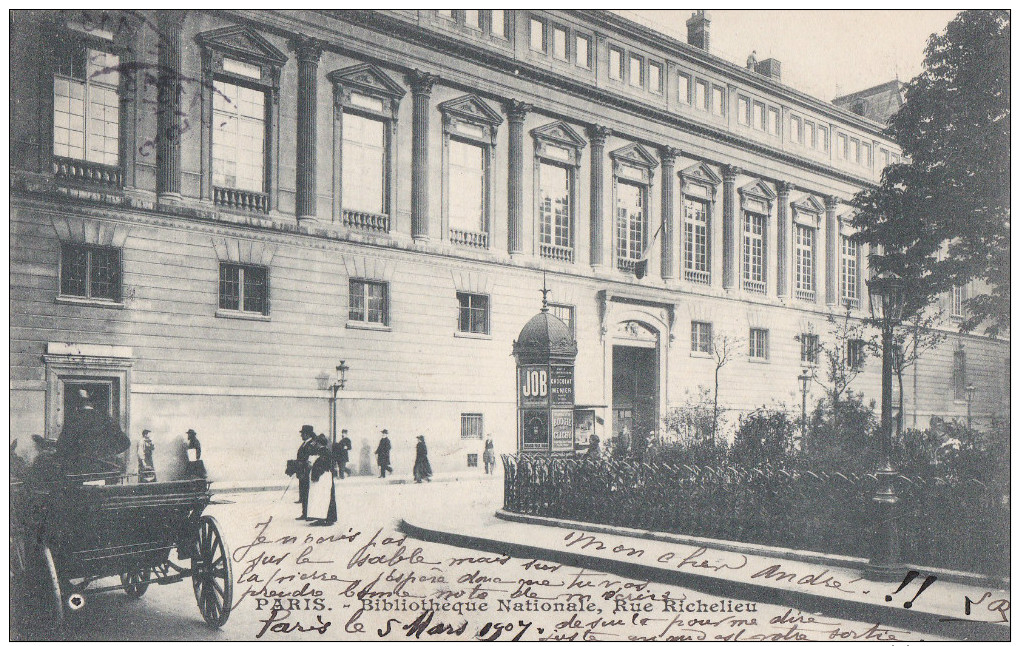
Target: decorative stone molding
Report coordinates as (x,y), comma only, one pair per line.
(474,282)
(244,252)
(807,211)
(634,162)
(558,142)
(368,268)
(93,232)
(757,197)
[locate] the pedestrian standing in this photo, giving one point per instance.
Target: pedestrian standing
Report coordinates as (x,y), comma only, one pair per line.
(194,468)
(382,454)
(422,468)
(489,456)
(321,487)
(342,454)
(146,471)
(304,452)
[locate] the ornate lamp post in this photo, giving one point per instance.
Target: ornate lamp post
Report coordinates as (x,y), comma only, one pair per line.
(886,292)
(970,398)
(805,379)
(335,388)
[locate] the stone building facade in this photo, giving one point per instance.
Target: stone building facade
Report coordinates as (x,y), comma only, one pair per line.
(211,209)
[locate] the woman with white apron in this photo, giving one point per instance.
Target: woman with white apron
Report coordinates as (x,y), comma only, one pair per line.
(321,488)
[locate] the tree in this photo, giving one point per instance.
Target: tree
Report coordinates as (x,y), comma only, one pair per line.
(943,218)
(912,339)
(724,349)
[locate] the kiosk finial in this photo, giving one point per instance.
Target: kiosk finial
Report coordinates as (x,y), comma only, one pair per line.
(545,295)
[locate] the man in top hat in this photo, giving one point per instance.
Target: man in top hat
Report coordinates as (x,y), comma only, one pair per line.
(382,454)
(342,453)
(304,452)
(321,487)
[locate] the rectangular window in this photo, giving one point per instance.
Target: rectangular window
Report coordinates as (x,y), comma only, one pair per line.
(850,273)
(696,268)
(754,252)
(773,121)
(88,271)
(582,51)
(823,138)
(615,64)
(560,43)
(631,222)
(957,298)
(959,375)
(795,129)
(758,116)
(701,95)
(471,428)
(474,313)
(363,156)
(499,24)
(445,13)
(654,78)
(809,348)
(244,288)
(473,18)
(86,106)
(805,267)
(239,137)
(809,134)
(884,156)
(759,344)
(564,313)
(866,155)
(701,337)
(368,302)
(554,208)
(718,101)
(467,186)
(684,88)
(855,151)
(537,35)
(841,148)
(743,111)
(637,71)
(855,353)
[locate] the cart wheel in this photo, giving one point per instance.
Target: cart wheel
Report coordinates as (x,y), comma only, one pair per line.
(56,598)
(136,582)
(211,573)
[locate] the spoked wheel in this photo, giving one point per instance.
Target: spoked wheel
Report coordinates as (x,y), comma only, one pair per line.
(211,573)
(136,582)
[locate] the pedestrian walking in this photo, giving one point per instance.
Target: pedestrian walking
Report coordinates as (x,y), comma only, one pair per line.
(146,471)
(321,486)
(300,467)
(489,455)
(342,454)
(382,454)
(422,468)
(194,468)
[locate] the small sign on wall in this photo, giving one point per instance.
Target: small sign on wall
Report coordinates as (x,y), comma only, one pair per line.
(536,430)
(534,385)
(562,429)
(561,385)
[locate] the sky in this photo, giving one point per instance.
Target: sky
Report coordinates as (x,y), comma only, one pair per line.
(823,53)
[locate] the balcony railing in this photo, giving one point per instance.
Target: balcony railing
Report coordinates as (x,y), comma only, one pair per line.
(556,252)
(698,276)
(478,239)
(90,172)
(242,200)
(804,294)
(852,303)
(368,221)
(754,286)
(626,264)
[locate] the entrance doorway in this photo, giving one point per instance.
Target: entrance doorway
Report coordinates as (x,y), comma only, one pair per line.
(99,395)
(635,397)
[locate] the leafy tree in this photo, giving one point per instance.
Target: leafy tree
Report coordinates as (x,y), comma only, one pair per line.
(943,218)
(912,339)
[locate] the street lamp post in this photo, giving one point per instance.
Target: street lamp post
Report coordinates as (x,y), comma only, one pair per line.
(804,379)
(886,300)
(335,388)
(970,397)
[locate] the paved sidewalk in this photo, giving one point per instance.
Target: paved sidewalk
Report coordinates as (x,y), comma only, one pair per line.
(279,484)
(739,571)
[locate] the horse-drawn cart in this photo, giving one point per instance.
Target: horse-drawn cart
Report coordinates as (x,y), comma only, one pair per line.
(70,534)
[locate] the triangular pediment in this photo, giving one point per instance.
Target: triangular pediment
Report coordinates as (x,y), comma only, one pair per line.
(470,108)
(701,173)
(244,43)
(809,204)
(367,78)
(636,155)
(758,189)
(560,133)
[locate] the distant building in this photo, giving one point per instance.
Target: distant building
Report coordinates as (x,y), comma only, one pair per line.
(877,103)
(211,209)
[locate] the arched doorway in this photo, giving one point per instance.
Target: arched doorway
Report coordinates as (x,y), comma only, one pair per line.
(635,390)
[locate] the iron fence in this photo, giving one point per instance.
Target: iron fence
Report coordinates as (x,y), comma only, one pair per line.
(962,525)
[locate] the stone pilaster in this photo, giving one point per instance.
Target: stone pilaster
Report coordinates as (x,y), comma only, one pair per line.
(668,155)
(168,110)
(597,135)
(308,51)
(731,226)
(831,250)
(516,111)
(421,91)
(783,238)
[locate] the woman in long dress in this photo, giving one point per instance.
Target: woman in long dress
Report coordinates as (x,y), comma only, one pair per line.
(422,468)
(322,488)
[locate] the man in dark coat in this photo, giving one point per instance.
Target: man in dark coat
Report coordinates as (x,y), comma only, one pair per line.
(382,454)
(342,453)
(89,444)
(422,468)
(193,465)
(320,477)
(305,451)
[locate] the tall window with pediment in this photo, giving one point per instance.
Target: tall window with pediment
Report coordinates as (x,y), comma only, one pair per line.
(364,128)
(804,268)
(632,171)
(849,271)
(756,204)
(557,157)
(698,195)
(469,137)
